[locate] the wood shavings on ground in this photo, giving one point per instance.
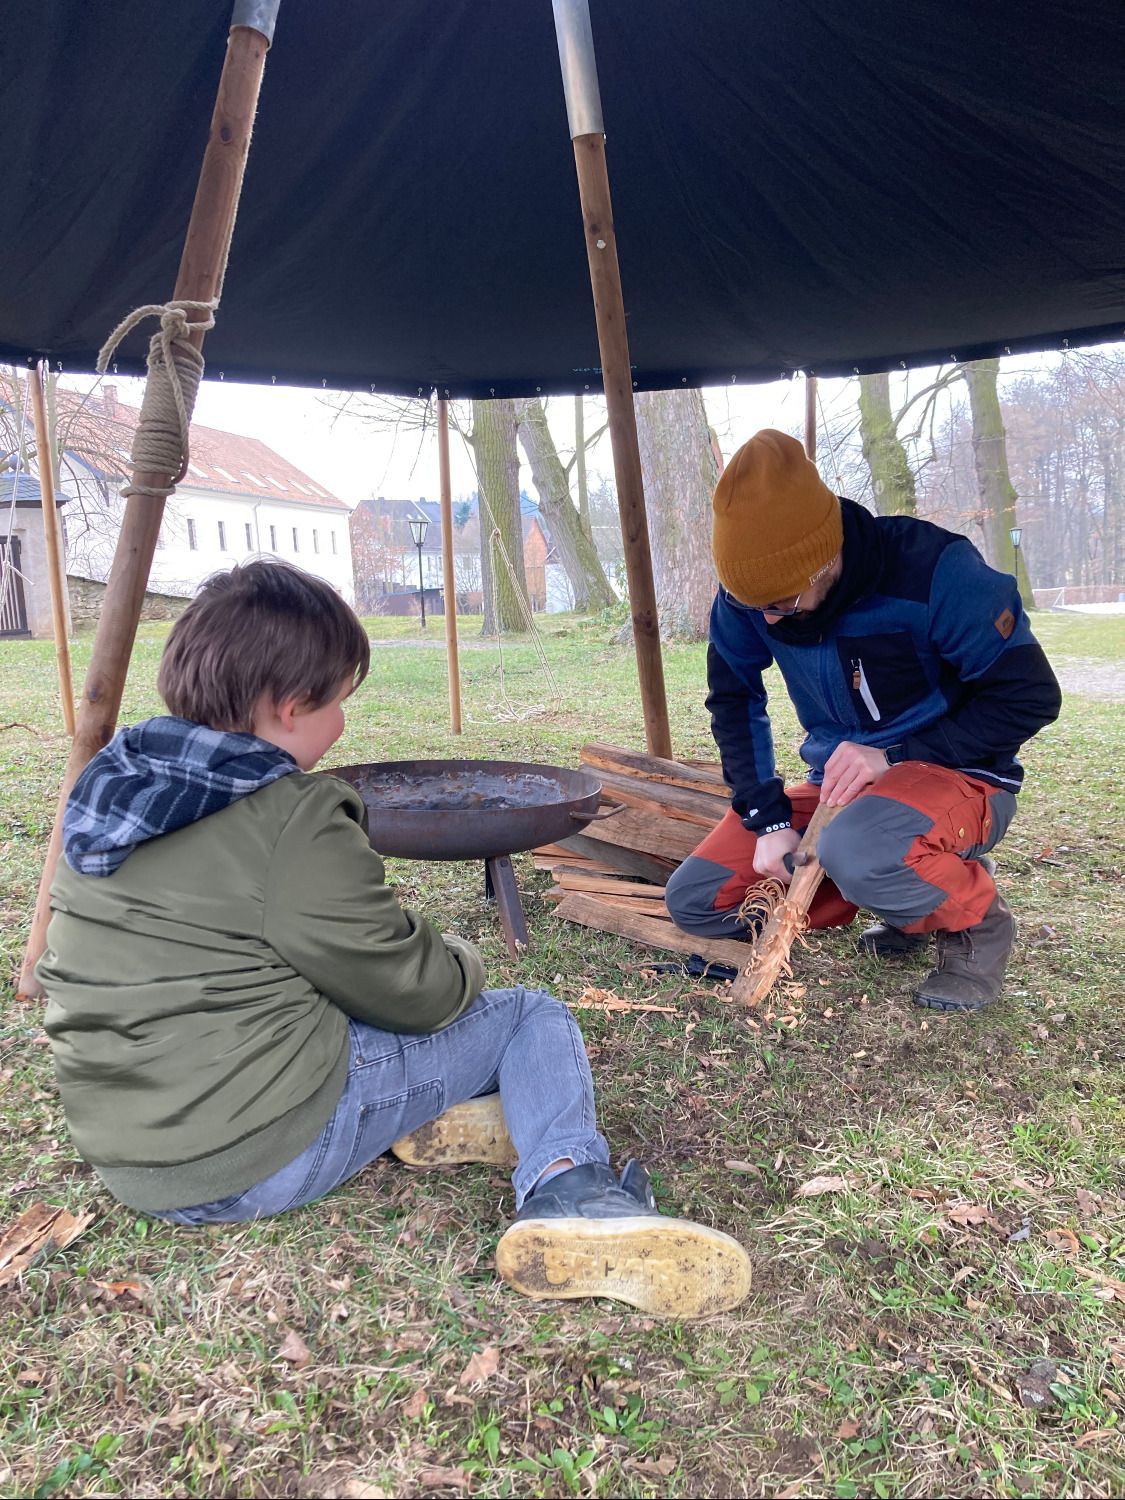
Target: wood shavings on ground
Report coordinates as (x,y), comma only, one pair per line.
(606,1000)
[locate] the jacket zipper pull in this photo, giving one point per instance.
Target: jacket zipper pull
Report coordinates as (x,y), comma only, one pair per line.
(863,688)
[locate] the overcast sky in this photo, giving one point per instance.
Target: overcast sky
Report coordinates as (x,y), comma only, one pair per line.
(353,460)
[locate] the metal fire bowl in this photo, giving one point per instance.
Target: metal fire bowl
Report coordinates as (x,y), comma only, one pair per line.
(470,809)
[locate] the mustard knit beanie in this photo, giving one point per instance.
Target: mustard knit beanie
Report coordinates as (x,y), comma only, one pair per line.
(777,525)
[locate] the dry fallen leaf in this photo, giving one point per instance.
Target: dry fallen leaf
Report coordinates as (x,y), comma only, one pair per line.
(1089,1203)
(415,1404)
(971,1215)
(295,1350)
(1110,1284)
(38,1230)
(926,1195)
(1064,1240)
(652,1468)
(743,1167)
(124,1291)
(438,1478)
(848,1429)
(818,1185)
(482,1366)
(1095,1435)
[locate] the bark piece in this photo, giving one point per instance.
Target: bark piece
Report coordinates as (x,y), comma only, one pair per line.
(38,1230)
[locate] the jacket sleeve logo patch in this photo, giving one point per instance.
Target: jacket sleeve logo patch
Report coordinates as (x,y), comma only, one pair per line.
(1005,623)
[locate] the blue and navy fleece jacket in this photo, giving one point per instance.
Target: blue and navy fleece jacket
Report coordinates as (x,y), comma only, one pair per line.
(921,649)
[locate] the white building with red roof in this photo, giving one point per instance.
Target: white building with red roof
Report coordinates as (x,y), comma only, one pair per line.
(238,500)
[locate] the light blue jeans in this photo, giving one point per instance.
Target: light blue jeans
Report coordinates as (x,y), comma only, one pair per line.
(522,1042)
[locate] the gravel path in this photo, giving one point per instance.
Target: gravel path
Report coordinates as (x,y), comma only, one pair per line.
(1092,679)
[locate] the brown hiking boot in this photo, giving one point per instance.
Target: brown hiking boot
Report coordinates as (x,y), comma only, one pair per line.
(971,963)
(472,1131)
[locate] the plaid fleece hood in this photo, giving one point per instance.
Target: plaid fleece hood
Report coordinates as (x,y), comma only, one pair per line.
(155,777)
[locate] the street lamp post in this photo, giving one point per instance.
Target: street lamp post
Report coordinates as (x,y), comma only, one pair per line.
(418,528)
(1016,534)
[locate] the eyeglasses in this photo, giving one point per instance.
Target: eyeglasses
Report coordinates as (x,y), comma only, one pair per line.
(779,609)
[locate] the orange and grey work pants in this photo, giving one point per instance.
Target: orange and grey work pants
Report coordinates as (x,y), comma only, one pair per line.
(908,849)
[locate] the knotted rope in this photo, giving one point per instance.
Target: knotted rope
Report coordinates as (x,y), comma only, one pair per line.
(175,368)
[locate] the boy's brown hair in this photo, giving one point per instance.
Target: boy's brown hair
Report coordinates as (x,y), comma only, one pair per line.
(263,628)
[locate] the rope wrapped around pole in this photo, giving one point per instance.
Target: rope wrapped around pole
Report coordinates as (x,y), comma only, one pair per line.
(161,447)
(161,443)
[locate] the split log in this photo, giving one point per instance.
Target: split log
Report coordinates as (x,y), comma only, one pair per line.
(645,832)
(580,880)
(629,861)
(589,911)
(696,775)
(688,805)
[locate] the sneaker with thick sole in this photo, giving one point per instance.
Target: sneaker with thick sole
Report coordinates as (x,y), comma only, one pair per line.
(472,1131)
(971,963)
(589,1233)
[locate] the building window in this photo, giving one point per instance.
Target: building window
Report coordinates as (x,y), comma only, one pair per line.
(316,540)
(222,536)
(273,538)
(332,534)
(192,540)
(249,537)
(296,544)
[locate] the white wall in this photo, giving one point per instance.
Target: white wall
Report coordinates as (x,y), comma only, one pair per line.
(185,555)
(27,526)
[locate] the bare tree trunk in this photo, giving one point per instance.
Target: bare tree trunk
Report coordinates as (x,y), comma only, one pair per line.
(990,458)
(680,474)
(580,467)
(892,482)
(575,549)
(506,603)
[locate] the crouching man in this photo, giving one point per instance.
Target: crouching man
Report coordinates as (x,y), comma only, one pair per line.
(916,677)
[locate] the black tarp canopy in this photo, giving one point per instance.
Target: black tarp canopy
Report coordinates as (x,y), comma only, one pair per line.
(806,184)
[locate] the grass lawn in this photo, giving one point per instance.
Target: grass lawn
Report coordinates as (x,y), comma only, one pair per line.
(943,1321)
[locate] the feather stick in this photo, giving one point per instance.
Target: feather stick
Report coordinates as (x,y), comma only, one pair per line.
(784,914)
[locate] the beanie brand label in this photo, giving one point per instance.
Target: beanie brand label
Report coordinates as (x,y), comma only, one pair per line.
(1005,623)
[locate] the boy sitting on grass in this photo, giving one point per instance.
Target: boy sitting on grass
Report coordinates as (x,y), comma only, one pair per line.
(243,1016)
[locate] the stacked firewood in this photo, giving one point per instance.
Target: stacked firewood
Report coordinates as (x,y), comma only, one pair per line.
(611,875)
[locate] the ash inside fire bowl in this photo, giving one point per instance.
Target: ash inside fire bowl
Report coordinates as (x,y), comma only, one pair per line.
(458,793)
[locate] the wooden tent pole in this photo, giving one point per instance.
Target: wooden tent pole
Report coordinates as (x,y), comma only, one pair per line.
(200,278)
(448,580)
(583,107)
(810,415)
(56,574)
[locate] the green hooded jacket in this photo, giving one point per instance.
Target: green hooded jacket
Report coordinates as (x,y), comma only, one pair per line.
(199,996)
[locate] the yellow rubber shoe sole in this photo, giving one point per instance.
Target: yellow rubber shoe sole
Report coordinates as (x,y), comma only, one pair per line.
(670,1268)
(473,1131)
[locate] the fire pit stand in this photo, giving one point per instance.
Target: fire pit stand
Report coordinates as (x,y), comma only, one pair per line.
(475,809)
(500,886)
